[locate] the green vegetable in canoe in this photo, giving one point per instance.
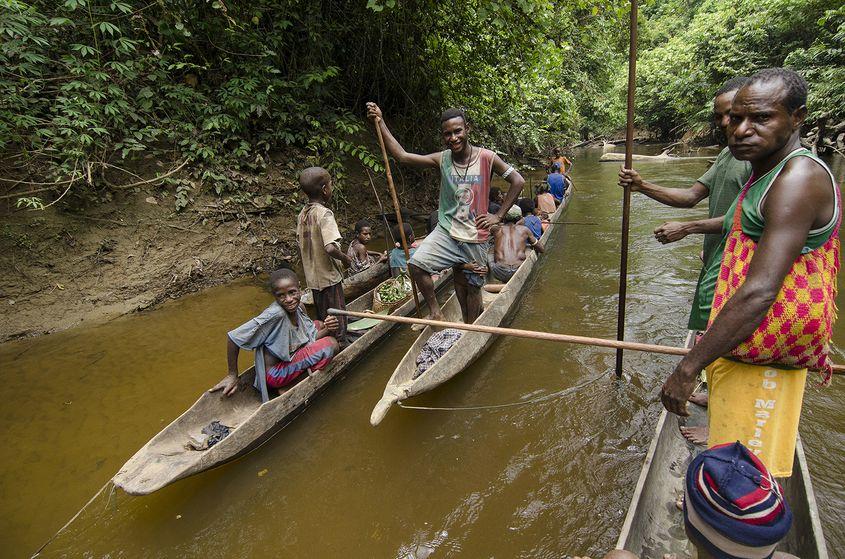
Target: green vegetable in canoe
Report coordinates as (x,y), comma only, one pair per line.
(394,290)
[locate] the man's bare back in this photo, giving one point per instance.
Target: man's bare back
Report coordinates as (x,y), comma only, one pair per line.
(512,242)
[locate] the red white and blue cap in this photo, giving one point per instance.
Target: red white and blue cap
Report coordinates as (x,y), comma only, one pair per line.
(733,506)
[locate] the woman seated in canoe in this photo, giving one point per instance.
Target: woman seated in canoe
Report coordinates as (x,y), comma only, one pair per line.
(286,342)
(361,257)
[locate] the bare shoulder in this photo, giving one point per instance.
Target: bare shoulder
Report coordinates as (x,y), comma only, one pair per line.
(803,177)
(802,187)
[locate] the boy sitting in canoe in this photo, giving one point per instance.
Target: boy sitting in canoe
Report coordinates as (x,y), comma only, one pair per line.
(286,342)
(319,246)
(357,251)
(545,202)
(510,244)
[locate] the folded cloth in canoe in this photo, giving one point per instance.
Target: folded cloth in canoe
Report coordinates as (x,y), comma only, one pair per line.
(436,346)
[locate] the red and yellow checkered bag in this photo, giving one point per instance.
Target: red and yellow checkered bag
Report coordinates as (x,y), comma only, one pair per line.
(796,331)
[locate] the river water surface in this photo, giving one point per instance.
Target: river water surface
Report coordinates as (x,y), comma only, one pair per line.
(543,480)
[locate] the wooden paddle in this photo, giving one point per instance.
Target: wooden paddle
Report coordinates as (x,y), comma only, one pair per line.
(626,201)
(535,335)
(398,215)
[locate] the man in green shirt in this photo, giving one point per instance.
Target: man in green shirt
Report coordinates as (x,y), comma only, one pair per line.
(721,183)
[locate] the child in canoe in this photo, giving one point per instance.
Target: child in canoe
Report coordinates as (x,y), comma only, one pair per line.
(286,342)
(361,257)
(319,246)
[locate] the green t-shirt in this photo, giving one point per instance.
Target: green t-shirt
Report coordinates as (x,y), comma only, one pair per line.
(724,179)
(753,225)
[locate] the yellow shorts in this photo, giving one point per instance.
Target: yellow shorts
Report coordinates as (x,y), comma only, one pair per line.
(759,406)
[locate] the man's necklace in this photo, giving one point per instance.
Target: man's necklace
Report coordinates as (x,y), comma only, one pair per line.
(466,169)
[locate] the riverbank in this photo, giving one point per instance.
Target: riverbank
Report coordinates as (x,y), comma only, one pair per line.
(66,267)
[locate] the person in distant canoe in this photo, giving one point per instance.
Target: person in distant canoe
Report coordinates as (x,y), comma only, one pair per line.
(357,251)
(562,161)
(286,342)
(319,246)
(531,217)
(463,231)
(511,241)
(557,183)
(496,200)
(545,201)
(774,300)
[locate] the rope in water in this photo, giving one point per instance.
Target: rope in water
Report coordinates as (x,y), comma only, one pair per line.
(75,516)
(544,398)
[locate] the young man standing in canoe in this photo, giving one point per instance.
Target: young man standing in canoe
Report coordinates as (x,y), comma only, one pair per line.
(463,231)
(775,286)
(720,184)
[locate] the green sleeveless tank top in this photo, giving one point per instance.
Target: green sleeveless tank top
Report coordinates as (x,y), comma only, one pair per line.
(752,225)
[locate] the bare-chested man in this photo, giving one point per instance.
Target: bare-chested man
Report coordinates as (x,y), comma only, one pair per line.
(511,245)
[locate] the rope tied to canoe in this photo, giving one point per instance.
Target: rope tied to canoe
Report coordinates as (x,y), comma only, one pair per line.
(537,400)
(75,516)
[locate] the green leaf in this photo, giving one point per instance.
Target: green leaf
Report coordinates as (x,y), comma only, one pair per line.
(111,29)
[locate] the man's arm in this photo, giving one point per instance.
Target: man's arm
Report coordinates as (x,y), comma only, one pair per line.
(672,231)
(395,149)
(790,211)
(676,197)
(230,384)
(516,182)
(535,243)
(335,252)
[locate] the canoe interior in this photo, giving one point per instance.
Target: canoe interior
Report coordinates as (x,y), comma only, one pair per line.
(166,458)
(654,526)
(499,308)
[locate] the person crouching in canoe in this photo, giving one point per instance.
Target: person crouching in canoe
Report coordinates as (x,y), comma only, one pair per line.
(511,242)
(286,342)
(775,297)
(463,231)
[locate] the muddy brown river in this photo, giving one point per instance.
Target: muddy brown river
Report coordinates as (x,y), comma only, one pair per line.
(543,480)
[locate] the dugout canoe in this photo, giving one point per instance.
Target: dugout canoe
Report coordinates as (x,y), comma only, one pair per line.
(166,457)
(654,527)
(358,283)
(499,308)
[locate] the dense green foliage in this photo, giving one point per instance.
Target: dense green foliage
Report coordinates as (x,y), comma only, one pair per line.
(86,85)
(690,47)
(89,88)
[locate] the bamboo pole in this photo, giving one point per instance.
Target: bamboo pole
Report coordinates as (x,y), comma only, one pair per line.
(534,335)
(398,215)
(381,209)
(626,201)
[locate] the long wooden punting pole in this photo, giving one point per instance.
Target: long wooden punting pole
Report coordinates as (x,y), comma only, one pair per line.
(534,335)
(626,203)
(398,215)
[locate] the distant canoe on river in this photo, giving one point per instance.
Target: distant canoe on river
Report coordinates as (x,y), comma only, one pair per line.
(665,156)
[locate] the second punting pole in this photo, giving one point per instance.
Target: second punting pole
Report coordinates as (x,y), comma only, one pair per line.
(626,201)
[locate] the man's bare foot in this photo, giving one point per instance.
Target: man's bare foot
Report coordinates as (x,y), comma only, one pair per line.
(700,399)
(696,435)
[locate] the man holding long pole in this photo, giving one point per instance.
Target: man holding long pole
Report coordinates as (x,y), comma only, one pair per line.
(462,234)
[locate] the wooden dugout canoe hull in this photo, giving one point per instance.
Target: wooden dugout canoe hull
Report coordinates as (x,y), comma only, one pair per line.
(654,526)
(498,310)
(359,283)
(166,458)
